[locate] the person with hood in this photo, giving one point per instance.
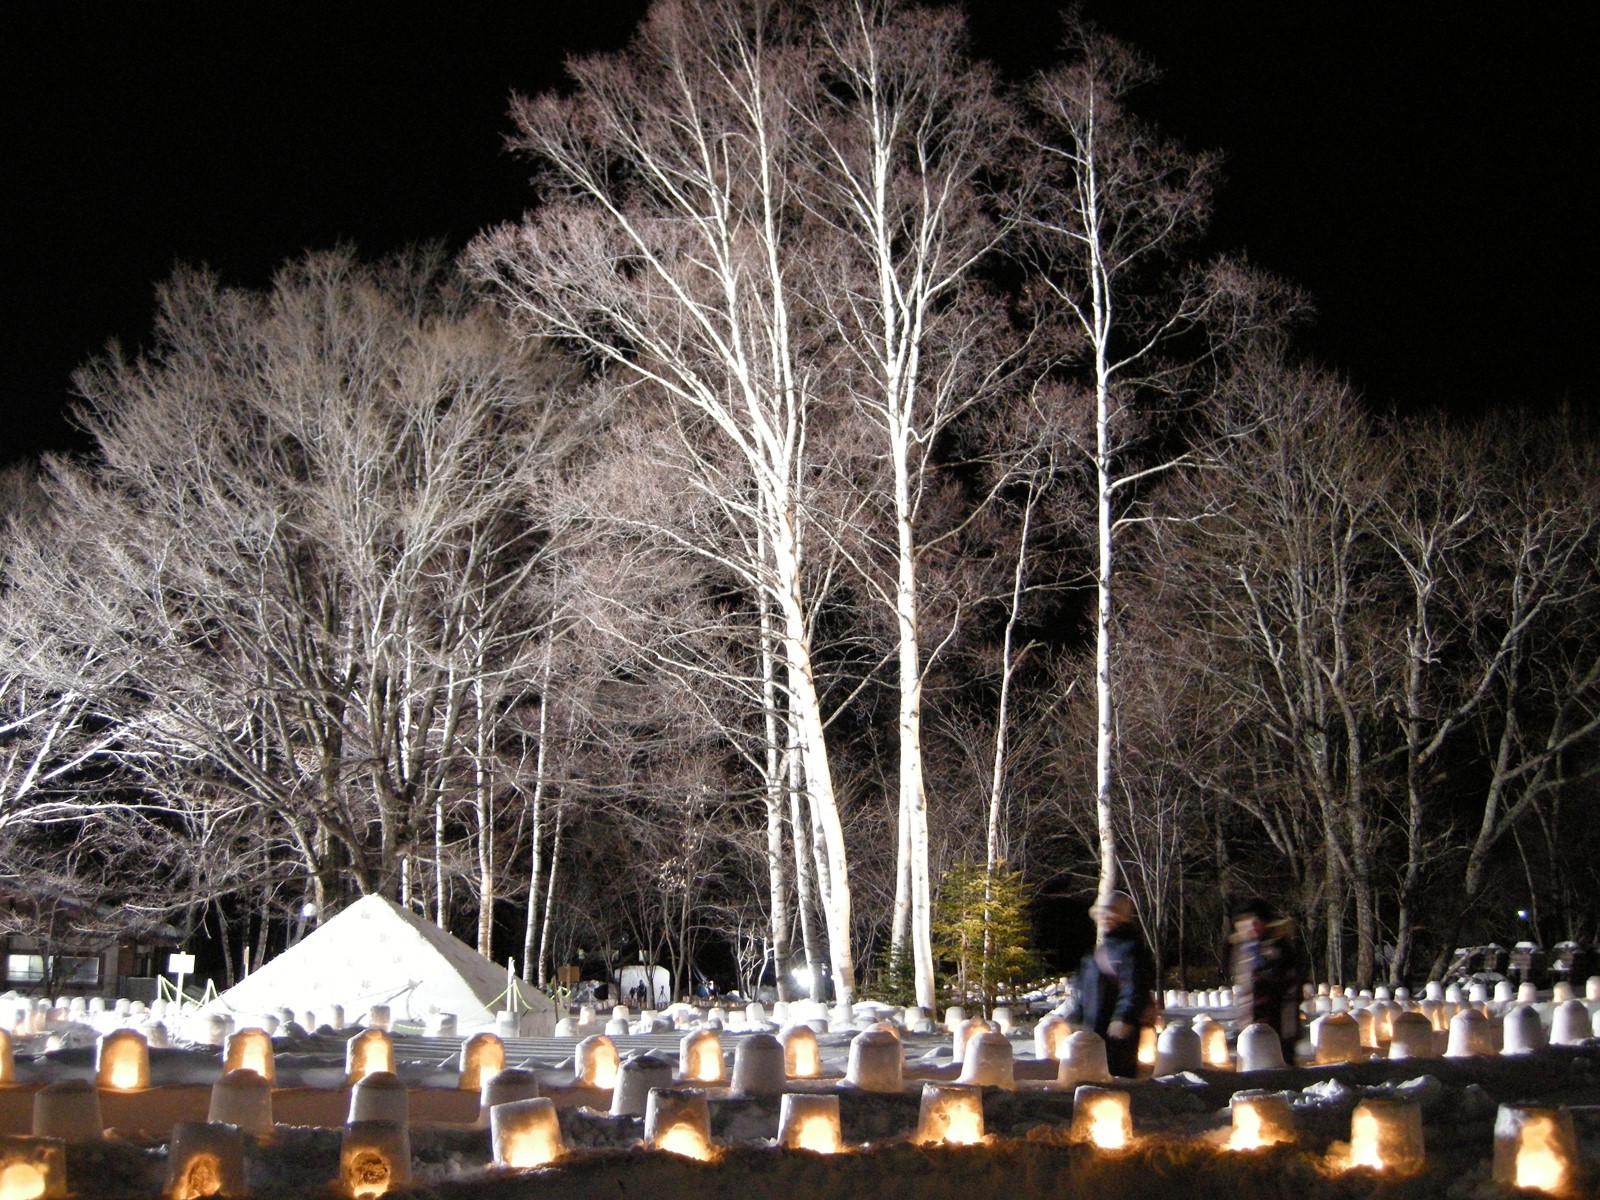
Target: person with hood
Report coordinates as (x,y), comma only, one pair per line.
(1267,972)
(1114,985)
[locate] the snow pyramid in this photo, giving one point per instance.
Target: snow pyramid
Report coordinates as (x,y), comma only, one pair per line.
(376,952)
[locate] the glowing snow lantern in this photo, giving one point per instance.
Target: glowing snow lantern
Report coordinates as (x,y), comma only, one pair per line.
(700,1056)
(801,1058)
(204,1160)
(1470,1035)
(1386,1135)
(1050,1037)
(122,1061)
(374,1156)
(1084,1059)
(249,1050)
(1591,989)
(68,1109)
(1570,1023)
(481,1056)
(951,1114)
(1535,1148)
(1366,1027)
(380,1096)
(876,1062)
(989,1061)
(1260,1119)
(1213,1043)
(504,1087)
(953,1016)
(809,1122)
(242,1098)
(8,1061)
(1562,991)
(32,1167)
(678,1122)
(1336,1038)
(636,1080)
(1382,1013)
(1147,1046)
(1102,1116)
(1412,1037)
(369,1051)
(595,1062)
(1260,1048)
(963,1034)
(525,1133)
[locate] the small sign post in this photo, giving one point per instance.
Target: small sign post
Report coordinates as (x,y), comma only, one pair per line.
(180,964)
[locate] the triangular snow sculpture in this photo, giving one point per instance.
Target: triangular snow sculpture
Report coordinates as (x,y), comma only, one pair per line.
(376,952)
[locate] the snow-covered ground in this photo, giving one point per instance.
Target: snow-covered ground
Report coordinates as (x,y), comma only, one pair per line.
(1027,1152)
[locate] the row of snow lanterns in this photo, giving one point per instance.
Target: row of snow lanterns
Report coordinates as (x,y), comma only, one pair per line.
(1534,1148)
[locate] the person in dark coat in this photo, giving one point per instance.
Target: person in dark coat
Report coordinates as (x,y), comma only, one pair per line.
(1114,984)
(1267,972)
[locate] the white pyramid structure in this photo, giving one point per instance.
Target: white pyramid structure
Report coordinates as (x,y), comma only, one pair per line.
(376,952)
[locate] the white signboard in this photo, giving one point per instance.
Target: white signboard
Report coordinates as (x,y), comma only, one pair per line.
(180,964)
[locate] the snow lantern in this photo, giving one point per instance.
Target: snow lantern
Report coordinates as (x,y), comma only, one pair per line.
(242,1097)
(525,1133)
(1083,1059)
(637,1078)
(700,1056)
(1260,1048)
(951,1114)
(370,1050)
(1147,1046)
(1260,1119)
(755,1013)
(1535,1148)
(1050,1037)
(122,1061)
(1527,993)
(1336,1038)
(8,1060)
(1213,1043)
(1570,1023)
(1177,1049)
(1478,993)
(801,1059)
(504,1087)
(1366,1028)
(758,1066)
(566,1027)
(617,1027)
(32,1167)
(1523,1031)
(249,1050)
(379,1016)
(1591,989)
(1469,1035)
(1102,1116)
(1385,1135)
(374,1156)
(1434,991)
(989,1061)
(380,1096)
(594,1062)
(1382,1013)
(204,1160)
(439,1025)
(1002,1019)
(678,1121)
(953,1016)
(1504,992)
(1412,1037)
(333,1017)
(68,1109)
(1562,991)
(876,1062)
(809,1122)
(482,1055)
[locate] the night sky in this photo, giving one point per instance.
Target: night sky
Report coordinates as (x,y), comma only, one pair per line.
(1417,174)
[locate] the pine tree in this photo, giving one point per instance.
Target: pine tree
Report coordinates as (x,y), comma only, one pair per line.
(981,926)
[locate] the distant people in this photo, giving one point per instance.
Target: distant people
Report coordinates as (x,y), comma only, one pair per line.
(1267,971)
(1115,984)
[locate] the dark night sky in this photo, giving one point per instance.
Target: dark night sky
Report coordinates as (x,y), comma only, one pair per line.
(1418,175)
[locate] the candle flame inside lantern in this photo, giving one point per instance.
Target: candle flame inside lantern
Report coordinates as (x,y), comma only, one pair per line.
(369,1175)
(1107,1127)
(1365,1132)
(807,1059)
(1147,1046)
(1540,1163)
(202,1177)
(966,1125)
(685,1140)
(124,1073)
(1214,1040)
(705,1060)
(21,1181)
(531,1148)
(819,1133)
(1246,1129)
